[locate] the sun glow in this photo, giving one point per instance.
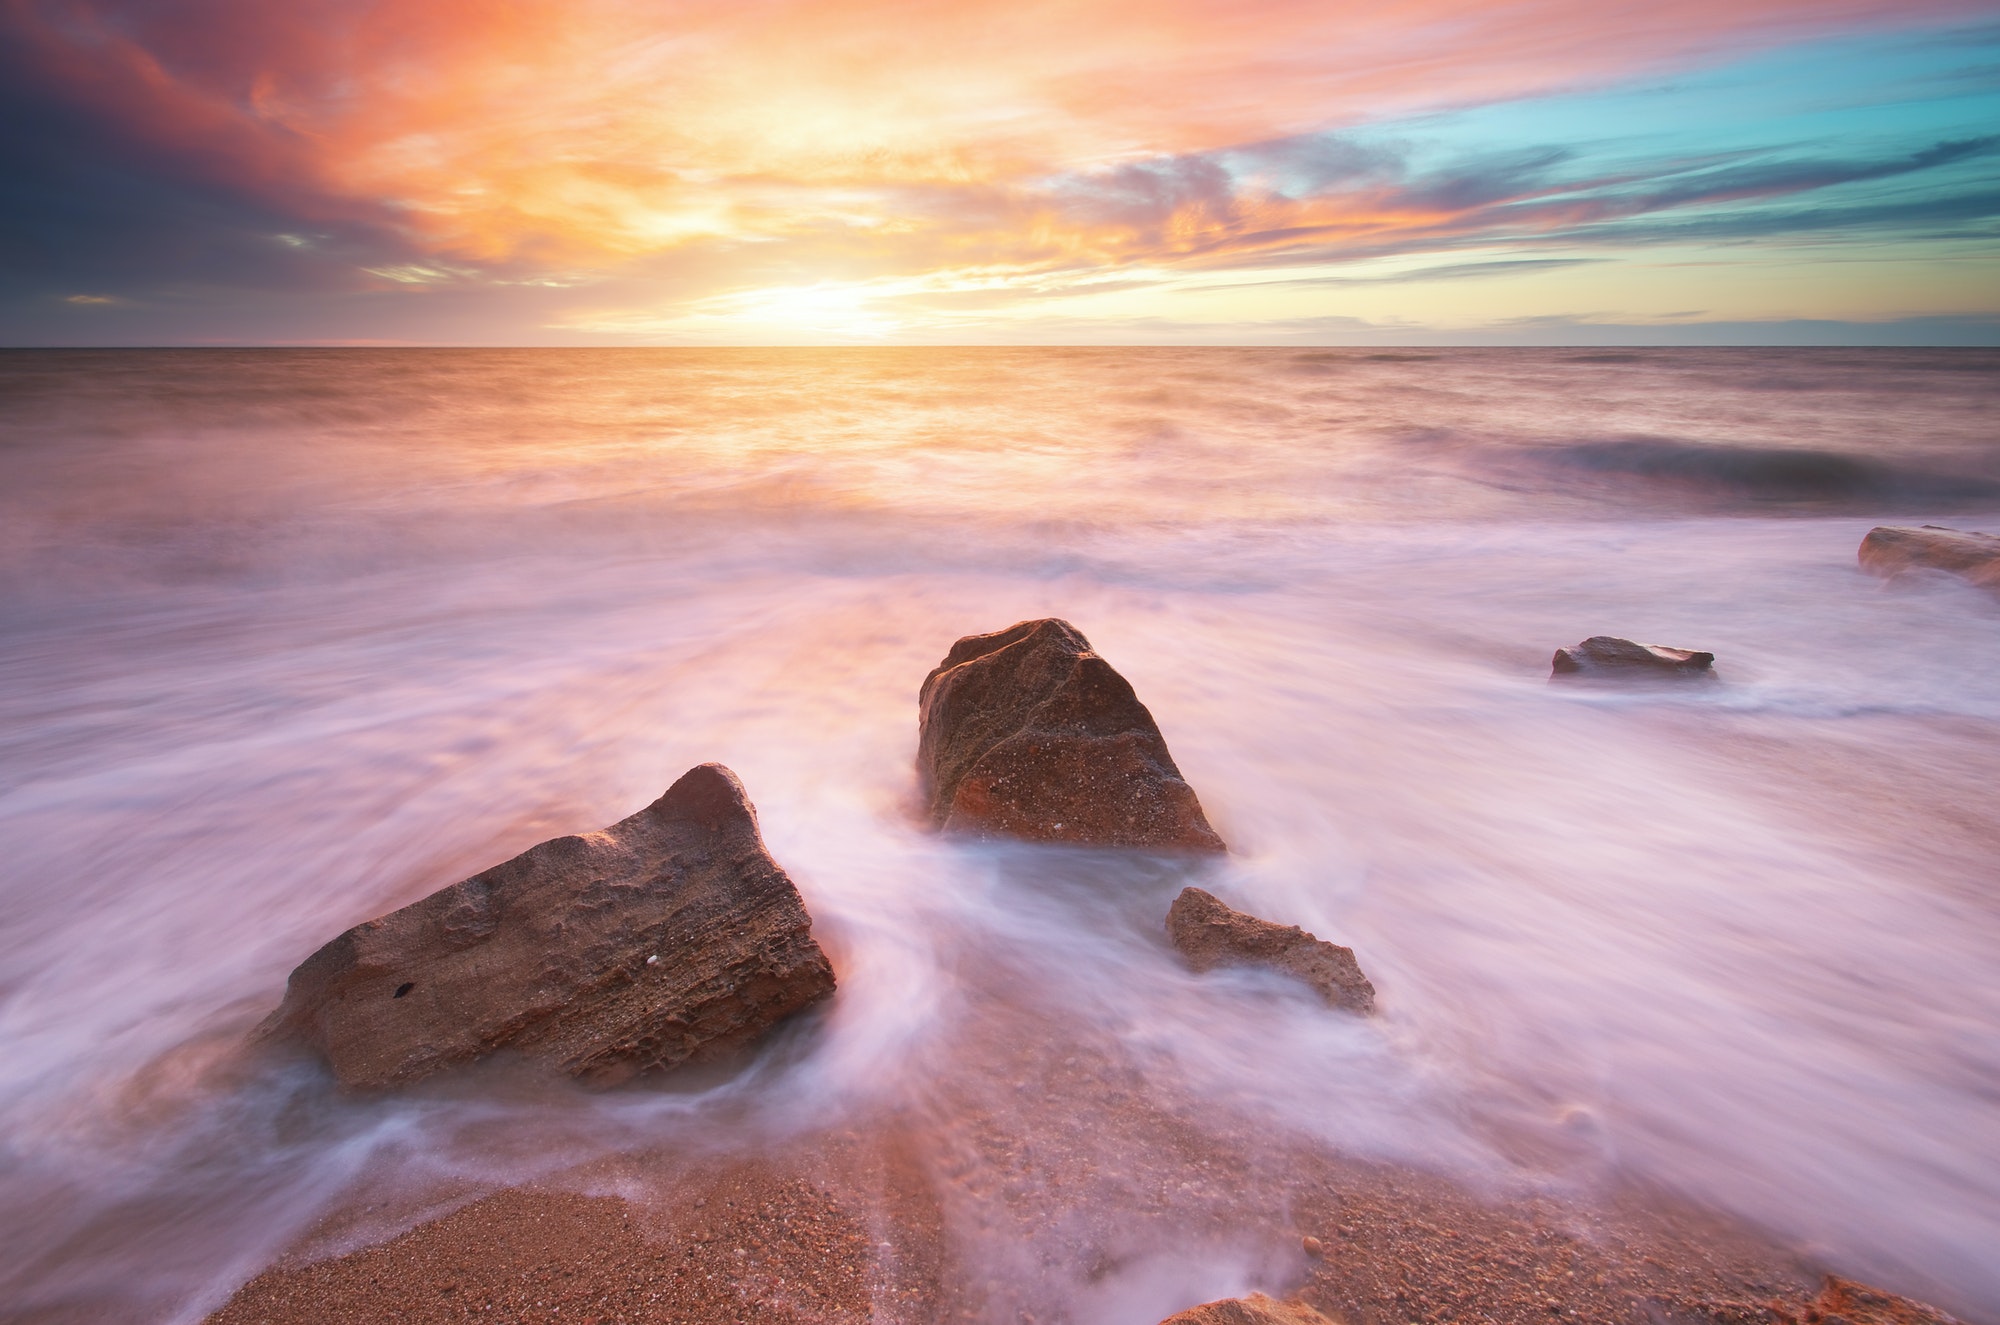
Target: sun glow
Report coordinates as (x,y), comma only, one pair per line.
(828,307)
(806,170)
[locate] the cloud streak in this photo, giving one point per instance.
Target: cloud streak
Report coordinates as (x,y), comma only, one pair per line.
(1025,148)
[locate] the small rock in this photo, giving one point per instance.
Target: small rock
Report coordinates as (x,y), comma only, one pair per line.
(547,954)
(1313,1247)
(1255,1309)
(1607,655)
(1027,733)
(1845,1300)
(1892,550)
(1211,934)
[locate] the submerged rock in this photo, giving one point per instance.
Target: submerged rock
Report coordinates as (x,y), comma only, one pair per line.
(1844,1302)
(1840,1302)
(1027,733)
(1893,549)
(1210,934)
(1255,1309)
(1607,655)
(669,936)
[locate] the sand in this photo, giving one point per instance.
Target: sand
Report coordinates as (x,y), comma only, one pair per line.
(853,1228)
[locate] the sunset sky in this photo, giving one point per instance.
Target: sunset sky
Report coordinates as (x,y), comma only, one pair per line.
(605,172)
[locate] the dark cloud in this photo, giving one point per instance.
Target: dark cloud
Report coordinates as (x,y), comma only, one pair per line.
(1456,271)
(1946,215)
(94,204)
(1780,177)
(1519,197)
(1148,195)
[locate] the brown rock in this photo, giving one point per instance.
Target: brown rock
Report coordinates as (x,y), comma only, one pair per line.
(1607,655)
(1210,934)
(1844,1302)
(1255,1309)
(1027,733)
(670,935)
(1891,550)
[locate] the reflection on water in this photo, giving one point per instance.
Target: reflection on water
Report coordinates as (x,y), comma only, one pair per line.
(293,638)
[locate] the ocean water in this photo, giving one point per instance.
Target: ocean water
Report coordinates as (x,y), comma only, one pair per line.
(291,638)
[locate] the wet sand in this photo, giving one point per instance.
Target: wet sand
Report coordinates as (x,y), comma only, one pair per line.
(1089,1199)
(856,1230)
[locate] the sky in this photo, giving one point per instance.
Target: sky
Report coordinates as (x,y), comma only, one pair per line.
(715,172)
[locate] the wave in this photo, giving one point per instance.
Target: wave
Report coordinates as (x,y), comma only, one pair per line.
(1760,473)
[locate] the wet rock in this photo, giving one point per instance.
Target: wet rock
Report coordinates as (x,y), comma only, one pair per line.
(1027,733)
(1211,934)
(1840,1302)
(670,936)
(1607,655)
(1844,1302)
(1892,550)
(1255,1309)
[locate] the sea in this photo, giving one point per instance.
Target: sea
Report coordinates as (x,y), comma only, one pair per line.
(292,637)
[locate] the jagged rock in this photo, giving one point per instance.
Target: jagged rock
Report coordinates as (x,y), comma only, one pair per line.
(1255,1309)
(1607,655)
(1892,549)
(1027,733)
(670,935)
(1211,934)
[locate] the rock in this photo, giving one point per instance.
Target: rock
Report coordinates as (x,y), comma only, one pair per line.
(1027,733)
(1892,549)
(1210,934)
(1255,1309)
(1840,1302)
(671,935)
(1607,655)
(1844,1302)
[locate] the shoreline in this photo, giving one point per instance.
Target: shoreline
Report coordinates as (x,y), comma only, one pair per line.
(867,1226)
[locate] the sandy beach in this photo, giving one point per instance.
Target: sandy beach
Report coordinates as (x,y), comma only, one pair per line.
(853,1229)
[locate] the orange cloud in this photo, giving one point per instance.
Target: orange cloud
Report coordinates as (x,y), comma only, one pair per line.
(595,130)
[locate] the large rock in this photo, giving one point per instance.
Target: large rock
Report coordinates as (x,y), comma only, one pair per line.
(1893,549)
(1607,655)
(1255,1309)
(670,935)
(1027,733)
(1210,934)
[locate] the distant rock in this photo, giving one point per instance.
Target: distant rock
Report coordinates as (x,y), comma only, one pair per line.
(1893,549)
(1255,1309)
(1211,934)
(671,935)
(1027,733)
(1607,655)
